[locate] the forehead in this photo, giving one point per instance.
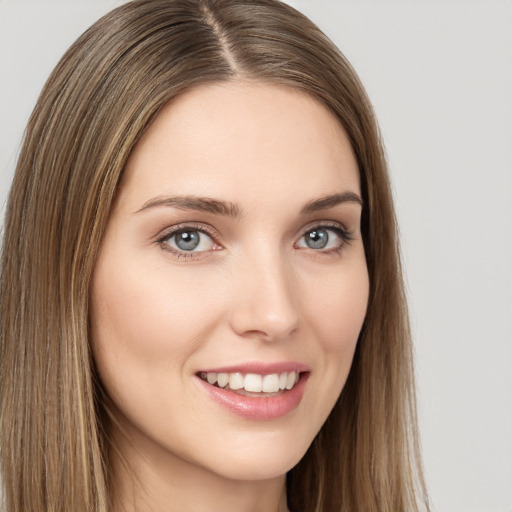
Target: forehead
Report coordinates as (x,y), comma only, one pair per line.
(248,142)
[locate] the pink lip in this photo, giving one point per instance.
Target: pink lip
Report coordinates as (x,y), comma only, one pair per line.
(260,368)
(256,408)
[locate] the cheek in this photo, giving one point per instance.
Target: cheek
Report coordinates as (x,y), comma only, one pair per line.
(338,308)
(144,322)
(334,311)
(337,312)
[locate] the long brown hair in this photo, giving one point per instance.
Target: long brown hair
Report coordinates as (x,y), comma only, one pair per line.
(94,108)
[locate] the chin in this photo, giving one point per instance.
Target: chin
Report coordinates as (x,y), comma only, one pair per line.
(260,461)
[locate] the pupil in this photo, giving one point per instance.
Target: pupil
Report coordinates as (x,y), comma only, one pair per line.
(317,239)
(187,240)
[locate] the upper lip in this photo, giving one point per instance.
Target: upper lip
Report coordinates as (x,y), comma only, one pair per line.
(260,368)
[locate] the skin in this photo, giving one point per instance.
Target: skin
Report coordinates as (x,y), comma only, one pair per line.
(253,291)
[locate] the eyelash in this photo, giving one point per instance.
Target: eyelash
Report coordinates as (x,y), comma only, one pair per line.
(184,228)
(345,235)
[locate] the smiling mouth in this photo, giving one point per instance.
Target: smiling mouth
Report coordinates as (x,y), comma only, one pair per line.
(253,384)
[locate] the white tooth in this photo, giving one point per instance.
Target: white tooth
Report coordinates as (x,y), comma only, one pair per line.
(270,383)
(290,381)
(282,380)
(236,381)
(252,382)
(297,378)
(222,379)
(211,378)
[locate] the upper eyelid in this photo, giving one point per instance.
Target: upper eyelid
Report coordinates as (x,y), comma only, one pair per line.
(211,231)
(214,233)
(183,226)
(346,234)
(324,224)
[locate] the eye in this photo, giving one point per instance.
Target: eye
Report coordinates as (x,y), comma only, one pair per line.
(188,240)
(324,238)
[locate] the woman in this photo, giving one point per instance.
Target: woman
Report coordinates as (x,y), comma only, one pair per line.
(202,305)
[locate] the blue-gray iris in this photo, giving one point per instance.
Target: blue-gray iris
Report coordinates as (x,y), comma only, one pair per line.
(317,239)
(187,240)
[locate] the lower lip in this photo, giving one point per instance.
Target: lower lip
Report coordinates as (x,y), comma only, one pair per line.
(256,408)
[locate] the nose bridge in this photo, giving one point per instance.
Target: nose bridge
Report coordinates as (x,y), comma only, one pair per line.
(265,304)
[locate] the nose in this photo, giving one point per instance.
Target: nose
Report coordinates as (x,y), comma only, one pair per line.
(265,304)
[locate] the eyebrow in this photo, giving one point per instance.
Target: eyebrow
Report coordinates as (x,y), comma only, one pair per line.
(202,204)
(326,202)
(229,209)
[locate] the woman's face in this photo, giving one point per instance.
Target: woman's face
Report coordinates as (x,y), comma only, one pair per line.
(232,267)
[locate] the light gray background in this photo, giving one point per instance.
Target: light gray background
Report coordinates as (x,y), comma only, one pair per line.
(439,73)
